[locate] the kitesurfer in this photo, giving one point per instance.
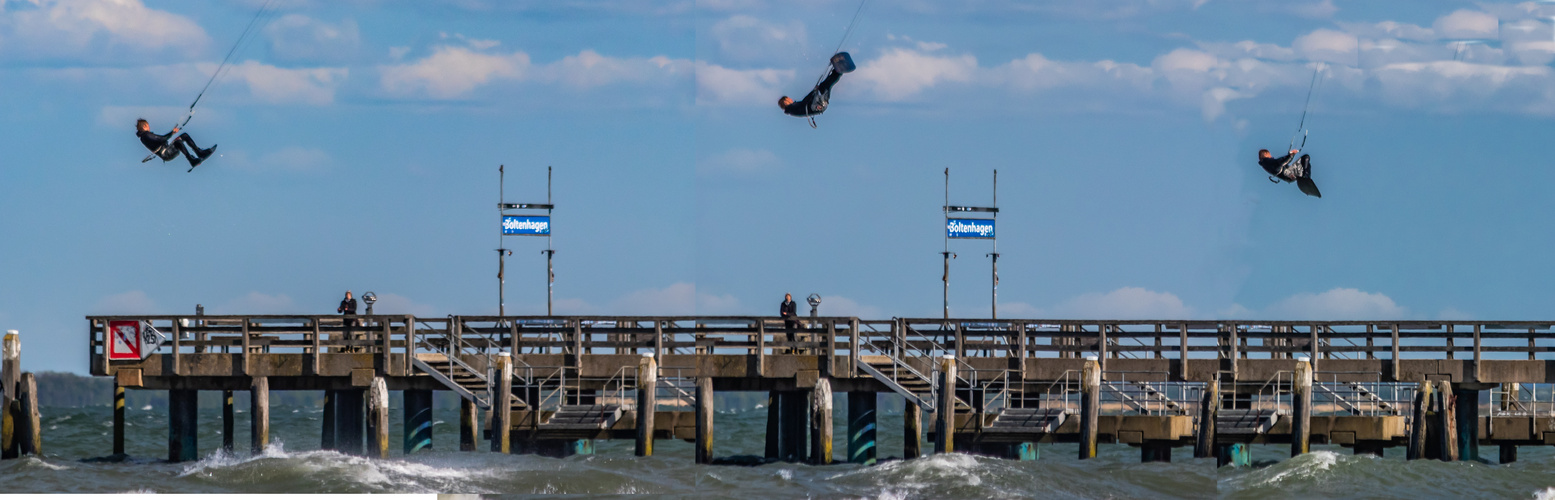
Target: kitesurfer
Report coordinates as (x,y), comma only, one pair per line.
(162,147)
(1298,171)
(815,102)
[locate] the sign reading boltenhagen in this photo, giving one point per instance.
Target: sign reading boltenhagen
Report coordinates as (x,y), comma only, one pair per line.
(526,225)
(969,228)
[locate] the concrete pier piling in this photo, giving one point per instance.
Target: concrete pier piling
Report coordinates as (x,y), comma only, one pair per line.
(861,427)
(704,420)
(228,416)
(378,419)
(349,421)
(259,413)
(183,412)
(1090,406)
(647,403)
(1301,408)
(469,425)
(821,423)
(501,417)
(327,420)
(912,430)
(945,413)
(418,420)
(1466,415)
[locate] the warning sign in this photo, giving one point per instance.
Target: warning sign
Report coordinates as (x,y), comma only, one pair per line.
(123,340)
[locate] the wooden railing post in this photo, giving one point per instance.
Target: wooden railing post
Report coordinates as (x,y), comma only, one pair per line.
(853,328)
(245,346)
(1396,377)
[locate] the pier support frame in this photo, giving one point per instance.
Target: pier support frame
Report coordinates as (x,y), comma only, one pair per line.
(861,427)
(327,424)
(647,403)
(821,423)
(1301,408)
(1152,451)
(704,420)
(1090,406)
(1510,392)
(469,425)
(183,425)
(259,411)
(912,430)
(793,422)
(774,437)
(418,420)
(378,418)
(1466,411)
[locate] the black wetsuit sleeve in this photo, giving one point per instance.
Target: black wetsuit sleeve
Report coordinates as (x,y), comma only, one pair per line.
(798,108)
(151,140)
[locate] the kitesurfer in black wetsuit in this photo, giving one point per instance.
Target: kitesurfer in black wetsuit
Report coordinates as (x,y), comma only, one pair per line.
(815,102)
(166,149)
(1298,171)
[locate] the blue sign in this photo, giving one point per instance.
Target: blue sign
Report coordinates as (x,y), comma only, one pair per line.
(969,228)
(526,225)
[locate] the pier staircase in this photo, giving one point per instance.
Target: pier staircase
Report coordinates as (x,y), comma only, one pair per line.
(1024,424)
(580,421)
(912,384)
(1244,421)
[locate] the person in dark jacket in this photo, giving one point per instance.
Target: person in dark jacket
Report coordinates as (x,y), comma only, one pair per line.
(168,147)
(347,309)
(815,102)
(790,313)
(1298,171)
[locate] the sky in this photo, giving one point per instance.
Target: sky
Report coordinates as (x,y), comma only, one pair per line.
(360,142)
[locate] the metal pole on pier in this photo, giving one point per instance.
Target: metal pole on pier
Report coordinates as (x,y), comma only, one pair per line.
(502,253)
(550,271)
(946,277)
(995,254)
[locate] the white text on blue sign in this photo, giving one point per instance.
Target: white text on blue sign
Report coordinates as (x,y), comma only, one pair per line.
(526,225)
(969,228)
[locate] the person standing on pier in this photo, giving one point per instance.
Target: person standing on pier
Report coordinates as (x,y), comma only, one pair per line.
(347,310)
(790,313)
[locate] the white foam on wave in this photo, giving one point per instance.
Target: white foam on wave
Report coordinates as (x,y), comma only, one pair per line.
(1308,465)
(38,462)
(907,478)
(393,473)
(1546,494)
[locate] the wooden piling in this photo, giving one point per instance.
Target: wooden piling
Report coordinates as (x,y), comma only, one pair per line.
(118,418)
(10,377)
(227,418)
(1301,411)
(1417,423)
(259,414)
(349,421)
(378,419)
(30,432)
(183,425)
(501,406)
(945,411)
(1510,393)
(704,408)
(1447,421)
(647,402)
(327,424)
(821,423)
(469,425)
(1209,406)
(861,427)
(418,420)
(1090,406)
(1466,414)
(912,429)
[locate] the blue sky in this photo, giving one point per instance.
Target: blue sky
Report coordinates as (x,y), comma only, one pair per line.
(361,139)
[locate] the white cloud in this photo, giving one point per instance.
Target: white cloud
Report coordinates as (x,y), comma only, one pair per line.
(127,303)
(717,84)
(452,72)
(901,73)
(258,303)
(268,83)
(740,162)
(298,37)
(1124,303)
(1328,46)
(162,118)
(745,38)
(1337,304)
(95,29)
(1463,24)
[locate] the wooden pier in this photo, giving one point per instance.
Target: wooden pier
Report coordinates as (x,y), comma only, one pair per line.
(553,385)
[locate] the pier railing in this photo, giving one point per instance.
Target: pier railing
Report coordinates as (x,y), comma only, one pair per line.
(380,335)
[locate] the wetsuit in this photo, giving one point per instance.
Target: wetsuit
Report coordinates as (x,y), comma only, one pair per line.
(815,102)
(1277,167)
(182,144)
